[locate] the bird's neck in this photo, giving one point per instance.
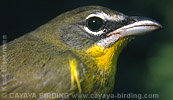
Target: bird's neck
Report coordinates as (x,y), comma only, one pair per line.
(102,73)
(102,57)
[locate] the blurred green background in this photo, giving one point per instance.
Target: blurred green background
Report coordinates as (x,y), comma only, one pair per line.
(144,66)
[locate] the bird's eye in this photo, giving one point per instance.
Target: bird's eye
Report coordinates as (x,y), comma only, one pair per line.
(95,23)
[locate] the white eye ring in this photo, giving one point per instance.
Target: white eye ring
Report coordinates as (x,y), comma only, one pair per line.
(94,33)
(90,31)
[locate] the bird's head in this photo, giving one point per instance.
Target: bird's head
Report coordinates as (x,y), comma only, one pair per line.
(97,30)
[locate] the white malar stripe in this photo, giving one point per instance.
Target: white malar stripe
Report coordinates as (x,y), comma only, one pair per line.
(107,41)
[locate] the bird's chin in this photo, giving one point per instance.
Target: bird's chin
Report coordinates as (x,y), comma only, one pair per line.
(108,41)
(113,39)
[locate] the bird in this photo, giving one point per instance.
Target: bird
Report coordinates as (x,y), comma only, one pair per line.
(74,53)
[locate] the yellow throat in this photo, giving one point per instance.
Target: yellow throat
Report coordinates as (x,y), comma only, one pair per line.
(103,56)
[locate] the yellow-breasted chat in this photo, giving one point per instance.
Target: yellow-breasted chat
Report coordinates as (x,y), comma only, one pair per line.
(74,53)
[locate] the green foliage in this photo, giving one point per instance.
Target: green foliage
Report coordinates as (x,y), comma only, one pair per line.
(160,72)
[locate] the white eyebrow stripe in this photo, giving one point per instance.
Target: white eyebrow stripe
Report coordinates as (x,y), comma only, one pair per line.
(105,16)
(101,15)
